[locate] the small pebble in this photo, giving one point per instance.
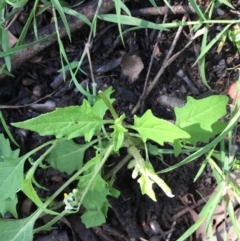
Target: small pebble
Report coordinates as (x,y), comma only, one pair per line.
(46,107)
(155,238)
(27,81)
(155,227)
(38,90)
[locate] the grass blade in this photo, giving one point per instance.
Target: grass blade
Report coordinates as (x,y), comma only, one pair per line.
(128,20)
(59,8)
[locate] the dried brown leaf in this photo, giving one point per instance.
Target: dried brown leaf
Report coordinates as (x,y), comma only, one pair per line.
(132,66)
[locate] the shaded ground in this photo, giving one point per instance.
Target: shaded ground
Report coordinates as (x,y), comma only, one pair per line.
(133,216)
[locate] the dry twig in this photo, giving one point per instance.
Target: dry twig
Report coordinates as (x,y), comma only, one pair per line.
(164,66)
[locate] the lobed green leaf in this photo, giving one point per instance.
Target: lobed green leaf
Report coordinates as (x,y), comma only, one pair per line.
(158,130)
(67,156)
(201,113)
(67,122)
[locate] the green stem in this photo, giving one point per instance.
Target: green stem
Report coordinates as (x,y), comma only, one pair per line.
(109,105)
(134,152)
(31,171)
(114,170)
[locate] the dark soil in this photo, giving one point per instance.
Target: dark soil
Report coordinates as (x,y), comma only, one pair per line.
(133,216)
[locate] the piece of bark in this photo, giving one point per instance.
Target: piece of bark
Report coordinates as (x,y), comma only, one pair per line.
(87,9)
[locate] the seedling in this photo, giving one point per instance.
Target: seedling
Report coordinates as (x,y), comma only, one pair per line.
(88,121)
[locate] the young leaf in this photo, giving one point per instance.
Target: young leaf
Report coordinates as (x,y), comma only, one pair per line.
(118,133)
(204,112)
(67,156)
(69,122)
(158,130)
(148,178)
(95,201)
(146,187)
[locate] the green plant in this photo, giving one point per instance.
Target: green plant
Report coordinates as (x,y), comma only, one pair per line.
(107,136)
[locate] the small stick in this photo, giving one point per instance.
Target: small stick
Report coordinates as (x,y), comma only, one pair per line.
(27,105)
(183,76)
(164,66)
(150,65)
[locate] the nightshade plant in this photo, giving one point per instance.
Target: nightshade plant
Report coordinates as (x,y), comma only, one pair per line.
(197,121)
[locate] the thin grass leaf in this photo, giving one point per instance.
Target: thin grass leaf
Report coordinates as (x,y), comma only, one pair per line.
(2,70)
(205,162)
(73,65)
(217,171)
(5,44)
(59,8)
(18,4)
(227,3)
(77,15)
(234,220)
(118,13)
(129,30)
(46,5)
(192,229)
(35,28)
(25,46)
(7,129)
(202,60)
(125,8)
(94,21)
(64,55)
(209,46)
(25,29)
(128,20)
(197,10)
(215,200)
(156,7)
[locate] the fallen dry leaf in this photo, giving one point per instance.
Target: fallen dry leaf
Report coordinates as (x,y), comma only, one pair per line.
(233,91)
(132,66)
(219,217)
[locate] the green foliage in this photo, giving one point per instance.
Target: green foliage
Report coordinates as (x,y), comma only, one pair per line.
(88,121)
(200,118)
(160,131)
(67,122)
(67,156)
